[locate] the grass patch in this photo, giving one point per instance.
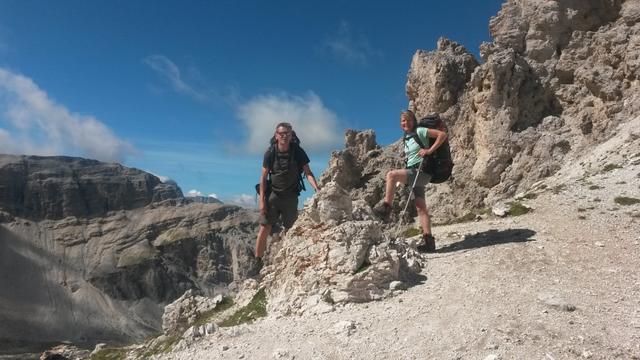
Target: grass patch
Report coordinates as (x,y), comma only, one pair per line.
(161,346)
(623,200)
(610,167)
(207,316)
(411,232)
(582,217)
(597,200)
(595,187)
(582,209)
(256,308)
(517,209)
(110,354)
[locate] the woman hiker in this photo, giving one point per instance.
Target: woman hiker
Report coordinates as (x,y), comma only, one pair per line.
(415,154)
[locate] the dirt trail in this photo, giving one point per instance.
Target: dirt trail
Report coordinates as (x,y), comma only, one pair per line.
(558,283)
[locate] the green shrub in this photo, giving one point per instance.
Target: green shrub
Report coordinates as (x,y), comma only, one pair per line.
(110,354)
(161,347)
(623,200)
(516,208)
(255,309)
(207,316)
(411,232)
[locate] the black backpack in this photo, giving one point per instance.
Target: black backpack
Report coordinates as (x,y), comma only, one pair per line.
(439,164)
(294,146)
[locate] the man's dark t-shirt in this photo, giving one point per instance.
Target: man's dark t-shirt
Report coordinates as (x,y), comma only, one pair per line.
(284,173)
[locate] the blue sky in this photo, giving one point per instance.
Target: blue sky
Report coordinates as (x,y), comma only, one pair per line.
(191,90)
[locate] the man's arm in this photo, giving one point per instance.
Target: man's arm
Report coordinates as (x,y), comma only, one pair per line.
(263,189)
(310,177)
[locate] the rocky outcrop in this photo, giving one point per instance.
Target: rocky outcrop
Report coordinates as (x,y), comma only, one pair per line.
(336,253)
(36,187)
(108,278)
(559,76)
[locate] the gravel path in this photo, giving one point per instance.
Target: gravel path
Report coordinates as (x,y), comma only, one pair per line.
(558,283)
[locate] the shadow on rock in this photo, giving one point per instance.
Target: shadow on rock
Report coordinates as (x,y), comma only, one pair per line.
(489,238)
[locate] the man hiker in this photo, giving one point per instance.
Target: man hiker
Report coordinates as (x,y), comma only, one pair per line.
(413,174)
(282,162)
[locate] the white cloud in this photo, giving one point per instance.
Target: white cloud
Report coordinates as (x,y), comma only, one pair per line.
(244,200)
(35,124)
(171,72)
(315,125)
(192,193)
(349,46)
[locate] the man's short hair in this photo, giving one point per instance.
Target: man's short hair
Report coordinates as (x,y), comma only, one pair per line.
(284,125)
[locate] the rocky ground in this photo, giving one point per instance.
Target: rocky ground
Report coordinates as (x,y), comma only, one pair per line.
(559,282)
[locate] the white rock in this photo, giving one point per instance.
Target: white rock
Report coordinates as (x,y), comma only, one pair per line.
(397,285)
(500,209)
(345,327)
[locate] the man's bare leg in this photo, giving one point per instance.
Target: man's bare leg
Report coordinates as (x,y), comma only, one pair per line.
(261,242)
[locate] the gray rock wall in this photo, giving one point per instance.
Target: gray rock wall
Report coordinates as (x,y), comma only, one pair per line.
(91,252)
(36,187)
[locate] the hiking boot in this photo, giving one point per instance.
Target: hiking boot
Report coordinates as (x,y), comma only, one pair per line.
(429,245)
(382,210)
(255,269)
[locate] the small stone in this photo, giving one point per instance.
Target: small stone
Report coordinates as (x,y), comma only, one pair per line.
(557,302)
(492,357)
(241,356)
(599,244)
(500,210)
(587,354)
(346,327)
(397,285)
(224,347)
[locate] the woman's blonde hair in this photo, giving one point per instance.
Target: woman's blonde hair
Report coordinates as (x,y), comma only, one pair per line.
(411,116)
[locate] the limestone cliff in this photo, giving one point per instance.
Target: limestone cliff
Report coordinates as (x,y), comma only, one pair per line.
(559,77)
(92,251)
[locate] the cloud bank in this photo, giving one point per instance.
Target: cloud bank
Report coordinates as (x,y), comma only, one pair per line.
(315,125)
(244,200)
(32,123)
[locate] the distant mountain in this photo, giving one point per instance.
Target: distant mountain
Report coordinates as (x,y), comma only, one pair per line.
(92,251)
(203,199)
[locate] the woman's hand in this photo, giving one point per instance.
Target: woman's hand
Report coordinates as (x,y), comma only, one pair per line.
(424,152)
(263,208)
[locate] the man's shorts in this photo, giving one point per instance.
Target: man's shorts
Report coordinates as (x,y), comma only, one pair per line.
(423,180)
(280,206)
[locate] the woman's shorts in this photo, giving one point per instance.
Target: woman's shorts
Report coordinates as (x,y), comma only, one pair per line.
(423,180)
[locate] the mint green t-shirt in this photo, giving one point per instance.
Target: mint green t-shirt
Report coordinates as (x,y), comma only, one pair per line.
(411,147)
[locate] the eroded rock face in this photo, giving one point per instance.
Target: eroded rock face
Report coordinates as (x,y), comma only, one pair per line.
(559,76)
(335,253)
(37,187)
(108,277)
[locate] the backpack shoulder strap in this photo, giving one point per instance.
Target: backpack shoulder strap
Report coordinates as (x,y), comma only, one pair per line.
(414,136)
(272,157)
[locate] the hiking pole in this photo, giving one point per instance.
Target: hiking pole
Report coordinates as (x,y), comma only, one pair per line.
(411,191)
